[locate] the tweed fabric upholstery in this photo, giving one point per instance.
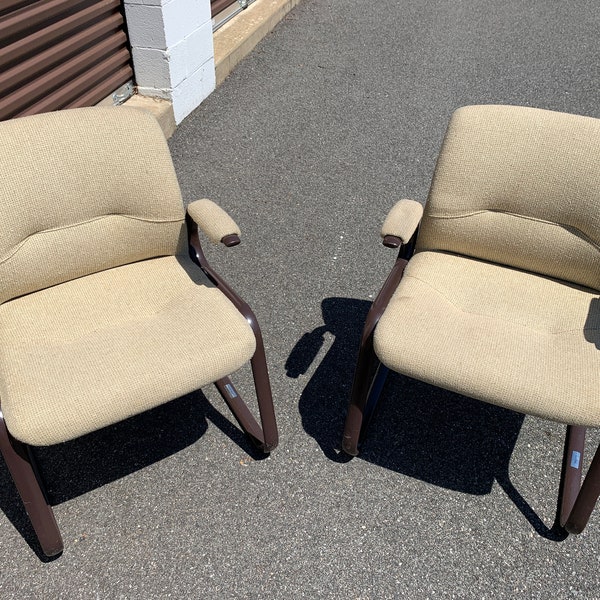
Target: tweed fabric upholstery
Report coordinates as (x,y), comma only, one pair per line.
(82,191)
(212,220)
(95,350)
(402,221)
(521,187)
(522,341)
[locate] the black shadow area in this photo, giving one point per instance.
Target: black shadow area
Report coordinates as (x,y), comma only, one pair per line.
(91,461)
(418,430)
(592,323)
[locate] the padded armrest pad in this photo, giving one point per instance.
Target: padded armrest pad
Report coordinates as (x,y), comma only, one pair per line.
(212,219)
(402,221)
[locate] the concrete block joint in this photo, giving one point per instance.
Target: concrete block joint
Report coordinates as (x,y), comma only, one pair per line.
(172,50)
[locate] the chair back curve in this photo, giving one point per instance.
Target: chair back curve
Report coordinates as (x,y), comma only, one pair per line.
(82,191)
(521,187)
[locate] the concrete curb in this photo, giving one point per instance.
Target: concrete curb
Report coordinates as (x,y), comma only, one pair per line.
(237,38)
(161,109)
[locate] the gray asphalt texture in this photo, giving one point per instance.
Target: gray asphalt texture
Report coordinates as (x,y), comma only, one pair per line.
(337,114)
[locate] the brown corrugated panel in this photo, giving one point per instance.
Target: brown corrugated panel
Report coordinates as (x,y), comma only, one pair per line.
(216,6)
(60,54)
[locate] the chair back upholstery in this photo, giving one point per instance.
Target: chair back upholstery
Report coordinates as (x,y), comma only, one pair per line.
(82,191)
(520,187)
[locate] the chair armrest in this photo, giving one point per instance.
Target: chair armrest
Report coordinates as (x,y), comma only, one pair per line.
(214,222)
(401,223)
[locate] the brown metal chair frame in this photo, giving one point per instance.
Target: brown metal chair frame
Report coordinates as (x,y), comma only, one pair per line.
(576,501)
(20,459)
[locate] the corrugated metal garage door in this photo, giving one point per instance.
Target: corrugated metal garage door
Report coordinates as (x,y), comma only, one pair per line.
(216,6)
(60,54)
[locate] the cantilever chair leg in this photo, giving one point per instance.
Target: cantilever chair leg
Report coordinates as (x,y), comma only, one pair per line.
(364,400)
(377,383)
(264,397)
(356,418)
(364,394)
(571,471)
(22,468)
(265,438)
(577,502)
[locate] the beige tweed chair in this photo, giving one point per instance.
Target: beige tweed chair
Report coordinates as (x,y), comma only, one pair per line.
(496,290)
(107,305)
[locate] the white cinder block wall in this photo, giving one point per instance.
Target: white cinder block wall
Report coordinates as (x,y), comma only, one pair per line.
(172,49)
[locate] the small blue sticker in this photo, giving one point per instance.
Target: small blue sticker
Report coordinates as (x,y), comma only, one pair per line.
(575,458)
(231,390)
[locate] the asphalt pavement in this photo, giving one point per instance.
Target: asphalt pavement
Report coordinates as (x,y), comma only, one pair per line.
(337,114)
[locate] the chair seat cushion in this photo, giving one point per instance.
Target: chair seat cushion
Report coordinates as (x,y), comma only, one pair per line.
(93,351)
(504,336)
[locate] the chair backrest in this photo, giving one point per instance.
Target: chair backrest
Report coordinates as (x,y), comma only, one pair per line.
(82,191)
(521,187)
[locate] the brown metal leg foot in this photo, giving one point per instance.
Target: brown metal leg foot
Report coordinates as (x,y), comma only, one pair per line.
(22,470)
(585,502)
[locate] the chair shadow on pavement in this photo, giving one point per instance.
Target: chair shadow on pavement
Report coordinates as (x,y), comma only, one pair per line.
(592,324)
(76,467)
(418,430)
